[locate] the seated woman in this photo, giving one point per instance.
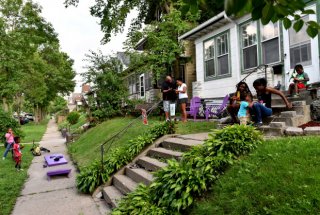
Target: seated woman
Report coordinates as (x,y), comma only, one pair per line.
(239,95)
(299,80)
(262,108)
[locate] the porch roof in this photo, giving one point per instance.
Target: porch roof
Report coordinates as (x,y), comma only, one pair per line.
(210,25)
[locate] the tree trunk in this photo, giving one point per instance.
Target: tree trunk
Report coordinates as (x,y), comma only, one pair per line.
(5,104)
(176,67)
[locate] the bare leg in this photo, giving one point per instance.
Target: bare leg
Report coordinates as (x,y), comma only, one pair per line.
(184,112)
(296,88)
(167,115)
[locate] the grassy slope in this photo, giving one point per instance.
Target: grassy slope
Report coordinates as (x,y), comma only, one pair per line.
(280,177)
(87,147)
(81,121)
(34,131)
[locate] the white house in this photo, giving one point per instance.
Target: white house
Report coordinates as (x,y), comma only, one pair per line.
(227,50)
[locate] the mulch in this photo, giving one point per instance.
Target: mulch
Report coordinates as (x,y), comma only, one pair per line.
(310,124)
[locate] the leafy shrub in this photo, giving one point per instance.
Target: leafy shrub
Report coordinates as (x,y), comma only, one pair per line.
(176,185)
(139,202)
(64,124)
(6,122)
(95,175)
(73,117)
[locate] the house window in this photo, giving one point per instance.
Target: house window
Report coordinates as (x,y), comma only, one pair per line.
(216,56)
(300,46)
(223,54)
(249,45)
(142,86)
(209,58)
(270,43)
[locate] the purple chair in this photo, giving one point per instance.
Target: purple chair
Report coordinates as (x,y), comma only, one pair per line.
(216,109)
(195,104)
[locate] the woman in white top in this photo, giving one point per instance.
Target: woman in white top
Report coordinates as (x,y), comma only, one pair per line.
(183,98)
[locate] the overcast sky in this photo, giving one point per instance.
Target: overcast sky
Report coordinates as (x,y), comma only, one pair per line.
(78,31)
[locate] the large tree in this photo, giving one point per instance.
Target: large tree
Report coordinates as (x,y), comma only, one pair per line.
(31,63)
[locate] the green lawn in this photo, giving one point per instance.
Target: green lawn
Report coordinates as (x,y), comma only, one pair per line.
(280,177)
(34,131)
(82,120)
(11,181)
(87,147)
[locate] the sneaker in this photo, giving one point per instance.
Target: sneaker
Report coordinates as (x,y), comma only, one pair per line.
(296,95)
(258,124)
(167,120)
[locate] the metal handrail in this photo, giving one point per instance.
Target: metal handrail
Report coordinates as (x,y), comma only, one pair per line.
(255,70)
(113,138)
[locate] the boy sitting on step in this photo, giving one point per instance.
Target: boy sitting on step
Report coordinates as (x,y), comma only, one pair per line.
(243,113)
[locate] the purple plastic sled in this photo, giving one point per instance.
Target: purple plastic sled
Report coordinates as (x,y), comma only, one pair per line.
(58,172)
(50,159)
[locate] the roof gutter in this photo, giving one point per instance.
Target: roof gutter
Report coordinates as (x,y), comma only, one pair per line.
(202,26)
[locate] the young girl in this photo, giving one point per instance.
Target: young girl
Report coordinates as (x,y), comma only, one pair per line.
(243,113)
(183,98)
(9,142)
(17,153)
(239,95)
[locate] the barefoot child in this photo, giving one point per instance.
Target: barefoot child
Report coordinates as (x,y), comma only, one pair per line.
(243,113)
(17,153)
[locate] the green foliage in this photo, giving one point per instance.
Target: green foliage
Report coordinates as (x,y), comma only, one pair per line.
(73,117)
(109,91)
(139,202)
(162,48)
(95,175)
(63,124)
(32,67)
(177,185)
(274,10)
(58,104)
(6,122)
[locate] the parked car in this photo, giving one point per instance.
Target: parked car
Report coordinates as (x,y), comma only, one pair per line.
(29,116)
(23,120)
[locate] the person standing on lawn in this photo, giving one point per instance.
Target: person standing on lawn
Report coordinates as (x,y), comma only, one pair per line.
(183,98)
(9,142)
(299,81)
(262,108)
(17,154)
(168,95)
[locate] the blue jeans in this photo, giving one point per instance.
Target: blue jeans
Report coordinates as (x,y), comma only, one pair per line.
(260,111)
(9,146)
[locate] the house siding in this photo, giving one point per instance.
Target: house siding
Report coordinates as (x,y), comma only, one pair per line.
(220,87)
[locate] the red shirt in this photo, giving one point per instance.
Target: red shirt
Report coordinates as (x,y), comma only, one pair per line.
(16,150)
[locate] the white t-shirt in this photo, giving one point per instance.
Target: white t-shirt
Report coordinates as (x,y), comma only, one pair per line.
(182,95)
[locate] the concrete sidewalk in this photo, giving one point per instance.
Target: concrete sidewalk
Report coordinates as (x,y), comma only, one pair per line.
(59,195)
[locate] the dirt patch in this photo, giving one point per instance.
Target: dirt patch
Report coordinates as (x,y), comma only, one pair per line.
(310,124)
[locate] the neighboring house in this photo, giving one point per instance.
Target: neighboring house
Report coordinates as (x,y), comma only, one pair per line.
(227,50)
(75,101)
(142,86)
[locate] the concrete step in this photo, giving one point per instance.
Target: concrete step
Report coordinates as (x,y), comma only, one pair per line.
(291,121)
(124,183)
(294,131)
(150,163)
(164,153)
(277,124)
(288,114)
(139,175)
(180,144)
(272,131)
(112,195)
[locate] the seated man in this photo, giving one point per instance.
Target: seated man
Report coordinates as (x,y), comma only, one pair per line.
(299,81)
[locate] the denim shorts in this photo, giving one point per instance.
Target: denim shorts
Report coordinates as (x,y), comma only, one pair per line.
(184,100)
